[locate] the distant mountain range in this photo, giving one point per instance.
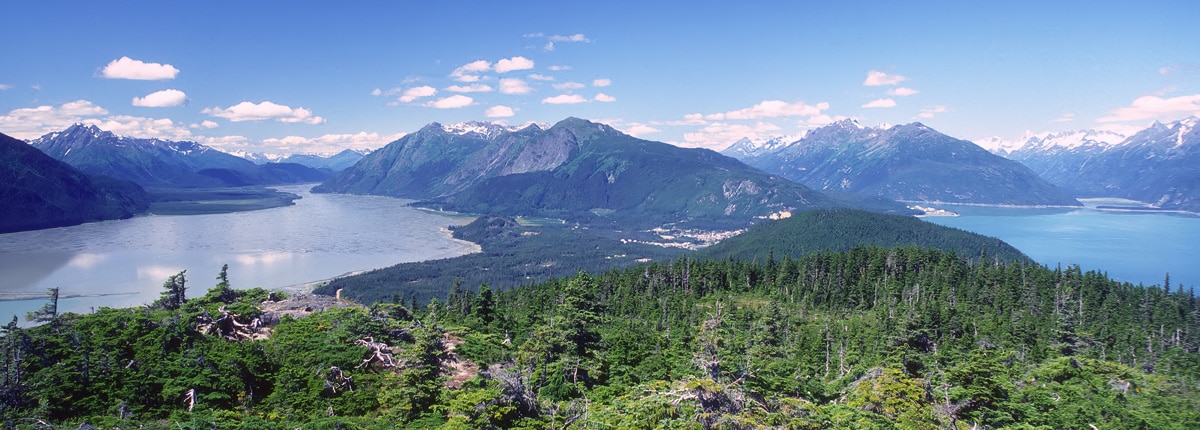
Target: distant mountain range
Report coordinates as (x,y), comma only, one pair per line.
(578,171)
(331,163)
(1159,165)
(37,191)
(909,162)
(164,163)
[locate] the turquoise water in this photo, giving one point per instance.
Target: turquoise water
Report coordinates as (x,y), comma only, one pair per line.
(1136,247)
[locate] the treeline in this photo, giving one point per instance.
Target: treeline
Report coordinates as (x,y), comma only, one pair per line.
(869,338)
(512,255)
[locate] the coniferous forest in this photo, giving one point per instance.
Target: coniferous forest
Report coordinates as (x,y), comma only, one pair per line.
(867,338)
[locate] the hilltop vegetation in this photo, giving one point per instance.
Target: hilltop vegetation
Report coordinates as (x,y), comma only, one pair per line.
(870,338)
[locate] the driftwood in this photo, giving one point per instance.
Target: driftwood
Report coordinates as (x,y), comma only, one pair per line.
(227,326)
(380,353)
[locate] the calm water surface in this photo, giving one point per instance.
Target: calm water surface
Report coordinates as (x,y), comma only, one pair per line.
(1137,247)
(124,263)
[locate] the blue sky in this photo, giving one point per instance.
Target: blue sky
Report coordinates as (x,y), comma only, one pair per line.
(319,77)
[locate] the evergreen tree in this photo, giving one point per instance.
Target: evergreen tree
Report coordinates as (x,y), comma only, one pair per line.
(174,292)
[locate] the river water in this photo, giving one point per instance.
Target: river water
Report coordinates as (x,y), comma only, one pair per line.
(1137,247)
(125,262)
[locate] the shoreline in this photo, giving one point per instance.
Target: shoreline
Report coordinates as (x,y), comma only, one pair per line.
(308,287)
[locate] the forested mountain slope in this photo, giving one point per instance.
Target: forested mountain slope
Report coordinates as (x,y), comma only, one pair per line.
(870,338)
(37,191)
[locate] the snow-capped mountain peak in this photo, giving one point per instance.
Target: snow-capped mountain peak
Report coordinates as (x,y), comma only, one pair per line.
(486,130)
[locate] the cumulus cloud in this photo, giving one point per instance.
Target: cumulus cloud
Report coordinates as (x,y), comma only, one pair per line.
(771,109)
(470,72)
(205,124)
(820,120)
(1156,108)
(472,88)
(327,144)
(876,78)
(416,93)
(453,102)
(638,129)
(930,112)
(540,77)
(602,82)
(31,123)
(601,97)
(718,135)
(901,91)
(126,125)
(514,86)
(515,63)
(499,111)
(246,111)
(377,92)
(164,98)
(563,99)
(568,86)
(880,103)
(128,68)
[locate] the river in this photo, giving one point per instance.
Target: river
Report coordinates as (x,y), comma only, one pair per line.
(125,262)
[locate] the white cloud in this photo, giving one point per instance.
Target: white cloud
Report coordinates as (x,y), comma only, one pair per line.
(930,112)
(880,103)
(164,98)
(1066,117)
(689,119)
(1156,108)
(577,38)
(564,99)
(568,86)
(637,130)
(876,78)
(771,109)
(515,63)
(901,91)
(558,68)
(416,93)
(453,102)
(377,92)
(31,123)
(499,111)
(246,111)
(602,82)
(470,72)
(327,144)
(601,97)
(473,88)
(820,120)
(128,68)
(205,124)
(126,125)
(5,87)
(514,86)
(718,135)
(539,77)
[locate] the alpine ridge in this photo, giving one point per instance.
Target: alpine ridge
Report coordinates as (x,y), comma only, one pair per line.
(909,162)
(576,170)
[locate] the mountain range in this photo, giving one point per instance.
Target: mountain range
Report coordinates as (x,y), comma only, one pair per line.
(331,163)
(164,163)
(37,191)
(909,162)
(575,170)
(1159,165)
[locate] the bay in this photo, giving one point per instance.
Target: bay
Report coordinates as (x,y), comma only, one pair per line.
(124,262)
(1130,246)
